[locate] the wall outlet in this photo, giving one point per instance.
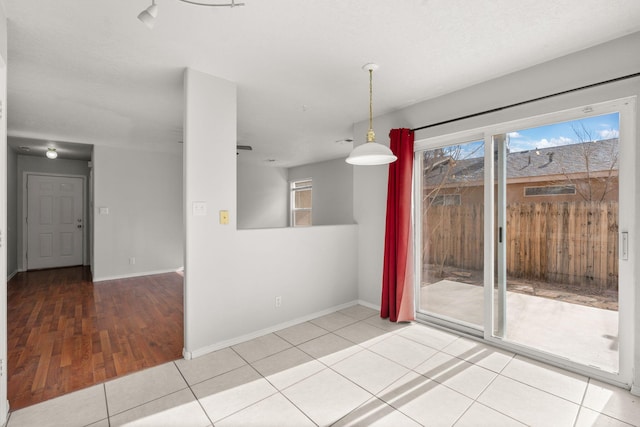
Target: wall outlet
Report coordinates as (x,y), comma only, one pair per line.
(278,301)
(132,261)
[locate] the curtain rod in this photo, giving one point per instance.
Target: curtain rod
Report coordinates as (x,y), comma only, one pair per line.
(517,104)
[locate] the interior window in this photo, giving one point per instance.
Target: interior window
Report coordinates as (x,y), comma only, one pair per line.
(301,202)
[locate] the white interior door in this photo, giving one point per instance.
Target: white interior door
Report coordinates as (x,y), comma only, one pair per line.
(55,221)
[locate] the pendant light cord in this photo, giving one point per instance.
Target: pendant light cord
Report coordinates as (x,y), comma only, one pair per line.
(371,135)
(370,99)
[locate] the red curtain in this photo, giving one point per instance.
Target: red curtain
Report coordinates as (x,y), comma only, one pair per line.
(397,280)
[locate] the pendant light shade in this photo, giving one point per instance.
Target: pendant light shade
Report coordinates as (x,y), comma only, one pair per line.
(371,153)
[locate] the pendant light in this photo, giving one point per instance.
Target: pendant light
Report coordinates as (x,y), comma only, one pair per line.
(371,153)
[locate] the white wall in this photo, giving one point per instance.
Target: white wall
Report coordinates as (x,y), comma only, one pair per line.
(233,276)
(143,192)
(263,196)
(12,212)
(45,166)
(604,62)
(4,404)
(332,190)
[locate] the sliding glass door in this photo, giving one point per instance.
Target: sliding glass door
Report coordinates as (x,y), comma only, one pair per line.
(452,213)
(524,235)
(558,203)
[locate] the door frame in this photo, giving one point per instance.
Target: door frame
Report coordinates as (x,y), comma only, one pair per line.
(626,106)
(25,234)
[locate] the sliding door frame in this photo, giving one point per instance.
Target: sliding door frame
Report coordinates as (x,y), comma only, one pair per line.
(626,107)
(420,146)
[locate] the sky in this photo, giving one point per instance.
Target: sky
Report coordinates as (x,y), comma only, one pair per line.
(563,133)
(598,128)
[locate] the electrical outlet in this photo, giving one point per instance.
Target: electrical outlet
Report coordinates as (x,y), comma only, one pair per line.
(132,261)
(278,301)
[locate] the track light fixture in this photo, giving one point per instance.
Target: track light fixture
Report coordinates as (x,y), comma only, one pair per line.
(197,3)
(149,15)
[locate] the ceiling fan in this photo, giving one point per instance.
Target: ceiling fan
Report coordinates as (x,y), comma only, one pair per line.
(238,147)
(243,147)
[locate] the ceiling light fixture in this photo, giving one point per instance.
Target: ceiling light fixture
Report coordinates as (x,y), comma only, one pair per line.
(197,3)
(51,153)
(149,15)
(371,153)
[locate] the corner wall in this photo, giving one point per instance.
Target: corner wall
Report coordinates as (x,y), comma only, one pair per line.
(12,212)
(233,276)
(142,191)
(4,404)
(332,194)
(263,196)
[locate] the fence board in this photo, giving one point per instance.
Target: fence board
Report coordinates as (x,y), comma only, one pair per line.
(564,242)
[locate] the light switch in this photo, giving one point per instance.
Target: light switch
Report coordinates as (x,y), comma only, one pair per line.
(103,211)
(224,217)
(199,208)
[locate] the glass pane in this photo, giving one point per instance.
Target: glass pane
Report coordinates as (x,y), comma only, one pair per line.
(561,240)
(301,218)
(452,193)
(302,199)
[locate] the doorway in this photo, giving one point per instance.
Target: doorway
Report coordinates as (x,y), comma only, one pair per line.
(524,236)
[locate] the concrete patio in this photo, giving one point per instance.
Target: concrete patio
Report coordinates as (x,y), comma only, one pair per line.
(586,335)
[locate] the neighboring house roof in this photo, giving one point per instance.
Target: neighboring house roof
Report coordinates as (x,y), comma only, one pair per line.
(598,156)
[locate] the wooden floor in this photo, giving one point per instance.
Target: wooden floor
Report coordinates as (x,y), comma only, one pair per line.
(65,333)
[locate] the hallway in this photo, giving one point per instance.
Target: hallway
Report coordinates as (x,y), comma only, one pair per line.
(65,333)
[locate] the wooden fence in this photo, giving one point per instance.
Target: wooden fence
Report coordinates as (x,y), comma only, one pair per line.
(574,243)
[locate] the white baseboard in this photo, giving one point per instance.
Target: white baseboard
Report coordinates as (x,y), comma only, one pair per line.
(635,390)
(130,275)
(10,276)
(368,304)
(6,416)
(188,355)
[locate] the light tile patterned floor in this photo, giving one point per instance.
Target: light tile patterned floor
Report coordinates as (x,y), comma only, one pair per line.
(349,368)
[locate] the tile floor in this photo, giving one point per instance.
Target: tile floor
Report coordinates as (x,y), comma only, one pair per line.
(349,368)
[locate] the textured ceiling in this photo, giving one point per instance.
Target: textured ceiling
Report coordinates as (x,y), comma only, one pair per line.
(88,71)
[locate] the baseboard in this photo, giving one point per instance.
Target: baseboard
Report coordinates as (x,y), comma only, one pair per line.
(6,416)
(10,276)
(233,341)
(369,305)
(130,275)
(635,390)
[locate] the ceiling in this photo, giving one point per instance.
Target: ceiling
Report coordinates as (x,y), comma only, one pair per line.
(87,71)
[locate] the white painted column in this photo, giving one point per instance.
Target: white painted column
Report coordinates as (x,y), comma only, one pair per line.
(209,187)
(4,404)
